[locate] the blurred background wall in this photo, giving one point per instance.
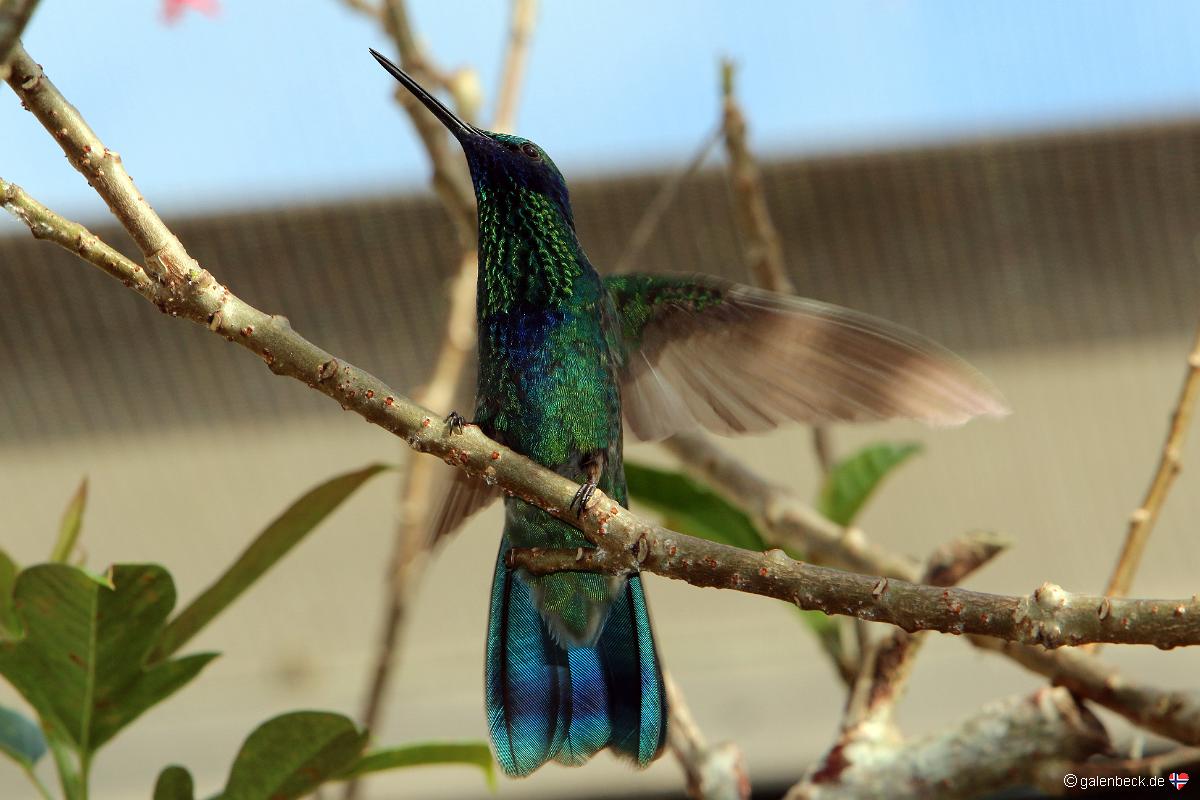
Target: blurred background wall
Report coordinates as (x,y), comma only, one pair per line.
(1017,181)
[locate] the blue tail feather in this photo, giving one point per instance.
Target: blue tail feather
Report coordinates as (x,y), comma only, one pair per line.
(639,702)
(549,701)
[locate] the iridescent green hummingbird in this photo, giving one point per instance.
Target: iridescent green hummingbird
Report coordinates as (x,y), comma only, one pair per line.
(564,355)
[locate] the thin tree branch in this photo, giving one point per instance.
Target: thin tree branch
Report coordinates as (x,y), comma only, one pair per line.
(166,259)
(891,665)
(713,772)
(450,179)
(791,521)
(412,541)
(822,444)
(366,8)
(516,55)
(14,16)
(764,257)
(1175,715)
(788,520)
(653,216)
(763,251)
(1009,743)
(1050,616)
(1141,522)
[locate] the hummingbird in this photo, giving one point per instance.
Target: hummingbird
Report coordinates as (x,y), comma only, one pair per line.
(566,359)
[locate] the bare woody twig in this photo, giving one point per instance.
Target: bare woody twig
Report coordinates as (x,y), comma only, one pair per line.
(1175,715)
(790,521)
(652,217)
(412,540)
(1141,522)
(1050,616)
(1005,744)
(165,256)
(14,16)
(787,520)
(891,665)
(764,257)
(411,543)
(713,772)
(520,29)
(449,177)
(763,251)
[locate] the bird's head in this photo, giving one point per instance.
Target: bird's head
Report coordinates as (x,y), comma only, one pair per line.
(502,165)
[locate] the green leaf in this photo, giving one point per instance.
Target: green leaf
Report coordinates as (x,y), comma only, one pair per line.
(292,754)
(852,481)
(174,783)
(691,507)
(21,738)
(474,754)
(72,522)
(267,548)
(10,624)
(81,660)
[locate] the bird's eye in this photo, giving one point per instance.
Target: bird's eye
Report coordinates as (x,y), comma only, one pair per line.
(531,151)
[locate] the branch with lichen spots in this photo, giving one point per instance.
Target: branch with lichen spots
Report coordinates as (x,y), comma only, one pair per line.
(1010,743)
(1174,714)
(1050,616)
(886,670)
(787,519)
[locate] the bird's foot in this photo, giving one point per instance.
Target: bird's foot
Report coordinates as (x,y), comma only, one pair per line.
(455,422)
(583,497)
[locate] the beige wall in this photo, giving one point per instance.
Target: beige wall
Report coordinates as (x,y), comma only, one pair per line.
(1059,478)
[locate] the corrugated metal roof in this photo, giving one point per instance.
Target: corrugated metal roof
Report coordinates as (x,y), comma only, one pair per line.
(981,245)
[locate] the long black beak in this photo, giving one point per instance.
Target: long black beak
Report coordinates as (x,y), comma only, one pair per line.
(461,130)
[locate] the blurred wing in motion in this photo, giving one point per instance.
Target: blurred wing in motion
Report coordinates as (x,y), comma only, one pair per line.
(701,352)
(461,497)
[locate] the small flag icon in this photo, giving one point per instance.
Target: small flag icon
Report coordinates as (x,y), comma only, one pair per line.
(1178,780)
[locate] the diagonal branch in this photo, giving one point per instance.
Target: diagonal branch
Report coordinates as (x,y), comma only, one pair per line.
(1050,616)
(449,179)
(713,772)
(1175,715)
(881,686)
(1006,744)
(788,520)
(516,55)
(1141,522)
(166,259)
(412,540)
(14,16)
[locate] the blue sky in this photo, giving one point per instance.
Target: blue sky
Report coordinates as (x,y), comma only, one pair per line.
(258,106)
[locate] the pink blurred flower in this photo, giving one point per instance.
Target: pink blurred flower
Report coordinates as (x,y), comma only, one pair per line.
(174,9)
